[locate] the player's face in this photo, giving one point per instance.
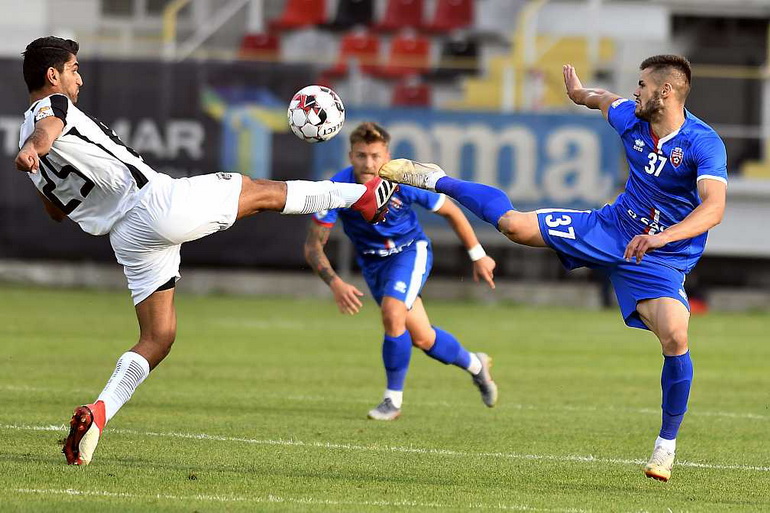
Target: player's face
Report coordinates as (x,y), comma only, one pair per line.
(70,81)
(648,96)
(367,159)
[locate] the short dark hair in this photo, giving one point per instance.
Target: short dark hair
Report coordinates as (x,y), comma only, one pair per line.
(43,53)
(369,132)
(669,63)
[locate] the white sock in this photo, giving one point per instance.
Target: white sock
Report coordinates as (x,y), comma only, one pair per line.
(130,371)
(669,445)
(395,396)
(306,197)
(474,367)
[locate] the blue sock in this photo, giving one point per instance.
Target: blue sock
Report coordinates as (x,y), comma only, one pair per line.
(396,352)
(487,203)
(448,350)
(675,381)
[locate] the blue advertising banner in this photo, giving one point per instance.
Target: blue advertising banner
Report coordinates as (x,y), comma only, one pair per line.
(539,160)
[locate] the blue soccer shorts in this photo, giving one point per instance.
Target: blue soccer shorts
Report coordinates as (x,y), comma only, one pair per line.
(401,275)
(591,238)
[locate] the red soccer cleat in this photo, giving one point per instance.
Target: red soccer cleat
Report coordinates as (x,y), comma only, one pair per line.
(373,205)
(86,427)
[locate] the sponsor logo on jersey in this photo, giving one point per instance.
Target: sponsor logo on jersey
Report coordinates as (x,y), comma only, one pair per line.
(677,156)
(400,286)
(618,102)
(224,176)
(638,145)
(43,113)
(651,222)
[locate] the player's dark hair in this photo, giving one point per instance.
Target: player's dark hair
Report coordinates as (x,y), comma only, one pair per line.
(669,63)
(43,53)
(369,132)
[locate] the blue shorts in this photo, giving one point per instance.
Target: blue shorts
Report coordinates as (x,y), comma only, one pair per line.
(592,238)
(401,275)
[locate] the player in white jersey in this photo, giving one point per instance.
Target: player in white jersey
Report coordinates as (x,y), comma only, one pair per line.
(83,171)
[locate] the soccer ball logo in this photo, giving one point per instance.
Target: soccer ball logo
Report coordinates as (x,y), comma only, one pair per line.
(316,114)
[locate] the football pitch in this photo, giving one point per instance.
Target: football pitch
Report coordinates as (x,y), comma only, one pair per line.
(261,406)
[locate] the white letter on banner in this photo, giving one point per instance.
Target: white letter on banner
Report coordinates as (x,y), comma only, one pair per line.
(587,183)
(453,138)
(185,135)
(415,136)
(523,144)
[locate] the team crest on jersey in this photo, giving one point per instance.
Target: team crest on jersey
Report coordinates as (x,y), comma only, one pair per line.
(396,203)
(43,113)
(224,176)
(638,145)
(677,156)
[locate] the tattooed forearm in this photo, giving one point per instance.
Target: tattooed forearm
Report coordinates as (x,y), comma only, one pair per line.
(317,238)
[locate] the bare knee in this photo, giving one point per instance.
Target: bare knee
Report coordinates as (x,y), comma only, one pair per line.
(424,343)
(521,227)
(259,195)
(156,345)
(393,319)
(674,342)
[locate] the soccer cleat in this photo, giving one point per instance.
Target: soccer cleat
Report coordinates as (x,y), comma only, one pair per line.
(373,205)
(385,411)
(412,173)
(483,381)
(86,427)
(660,464)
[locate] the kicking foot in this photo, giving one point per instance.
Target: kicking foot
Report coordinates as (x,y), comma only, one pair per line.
(86,427)
(385,411)
(373,205)
(660,464)
(412,173)
(483,381)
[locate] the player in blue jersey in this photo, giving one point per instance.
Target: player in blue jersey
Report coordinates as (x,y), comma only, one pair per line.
(395,256)
(649,238)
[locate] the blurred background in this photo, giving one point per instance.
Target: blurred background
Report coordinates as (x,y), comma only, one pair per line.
(199,86)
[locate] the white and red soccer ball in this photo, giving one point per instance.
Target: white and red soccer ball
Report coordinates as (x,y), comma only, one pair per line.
(316,114)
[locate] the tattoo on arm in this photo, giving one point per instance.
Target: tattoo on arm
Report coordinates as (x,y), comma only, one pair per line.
(317,238)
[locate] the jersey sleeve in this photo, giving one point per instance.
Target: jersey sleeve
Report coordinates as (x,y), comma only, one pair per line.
(711,158)
(325,217)
(55,105)
(426,199)
(621,115)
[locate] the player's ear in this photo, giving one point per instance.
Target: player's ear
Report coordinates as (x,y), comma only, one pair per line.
(52,75)
(666,90)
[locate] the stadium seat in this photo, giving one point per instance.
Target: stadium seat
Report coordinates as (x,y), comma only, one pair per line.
(410,92)
(459,56)
(409,55)
(352,13)
(451,15)
(401,14)
(259,47)
(300,13)
(358,44)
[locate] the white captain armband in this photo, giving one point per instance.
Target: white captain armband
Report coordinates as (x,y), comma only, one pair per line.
(477,252)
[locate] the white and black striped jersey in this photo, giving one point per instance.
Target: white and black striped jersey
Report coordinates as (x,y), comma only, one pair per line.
(89,173)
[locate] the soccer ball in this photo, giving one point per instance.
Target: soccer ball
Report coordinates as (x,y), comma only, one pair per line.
(316,114)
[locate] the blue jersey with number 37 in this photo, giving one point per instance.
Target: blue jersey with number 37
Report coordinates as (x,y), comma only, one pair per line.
(662,186)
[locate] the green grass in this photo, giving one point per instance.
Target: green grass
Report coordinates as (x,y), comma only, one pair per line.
(261,407)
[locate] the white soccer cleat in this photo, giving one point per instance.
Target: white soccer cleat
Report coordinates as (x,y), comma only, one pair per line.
(660,464)
(483,381)
(386,410)
(410,172)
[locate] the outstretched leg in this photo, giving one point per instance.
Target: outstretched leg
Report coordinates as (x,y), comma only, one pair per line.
(157,331)
(669,319)
(487,203)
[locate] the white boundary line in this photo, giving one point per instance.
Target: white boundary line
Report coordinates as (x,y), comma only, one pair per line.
(273,499)
(394,449)
(521,407)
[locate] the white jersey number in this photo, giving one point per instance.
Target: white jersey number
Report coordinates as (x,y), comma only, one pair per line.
(564,220)
(656,163)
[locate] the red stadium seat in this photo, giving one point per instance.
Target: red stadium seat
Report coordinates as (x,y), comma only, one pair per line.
(259,46)
(300,13)
(451,15)
(411,93)
(402,14)
(409,55)
(361,45)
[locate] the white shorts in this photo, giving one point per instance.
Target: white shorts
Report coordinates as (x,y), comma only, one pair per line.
(148,239)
